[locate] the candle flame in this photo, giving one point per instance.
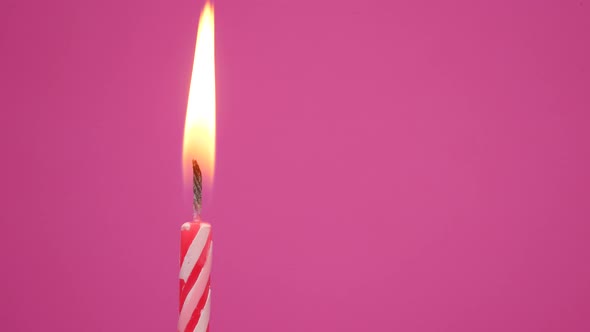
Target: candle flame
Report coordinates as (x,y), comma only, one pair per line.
(199,128)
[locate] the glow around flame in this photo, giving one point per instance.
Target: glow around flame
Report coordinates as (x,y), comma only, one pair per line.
(199,128)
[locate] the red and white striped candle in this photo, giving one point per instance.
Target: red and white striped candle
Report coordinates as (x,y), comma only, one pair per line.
(195,277)
(199,144)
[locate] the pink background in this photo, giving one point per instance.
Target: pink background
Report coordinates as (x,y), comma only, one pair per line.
(382,165)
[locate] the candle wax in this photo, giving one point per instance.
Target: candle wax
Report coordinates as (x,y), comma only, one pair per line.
(195,270)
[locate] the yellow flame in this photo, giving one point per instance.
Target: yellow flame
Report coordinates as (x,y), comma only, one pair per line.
(199,128)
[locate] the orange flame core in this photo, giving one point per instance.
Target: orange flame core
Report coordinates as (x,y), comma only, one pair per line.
(199,128)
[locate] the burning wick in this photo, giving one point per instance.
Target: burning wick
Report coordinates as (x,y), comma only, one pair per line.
(197,190)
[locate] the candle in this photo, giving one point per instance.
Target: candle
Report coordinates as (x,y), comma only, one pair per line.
(195,290)
(198,163)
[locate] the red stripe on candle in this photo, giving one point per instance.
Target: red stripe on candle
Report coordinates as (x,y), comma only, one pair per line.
(192,323)
(182,283)
(194,275)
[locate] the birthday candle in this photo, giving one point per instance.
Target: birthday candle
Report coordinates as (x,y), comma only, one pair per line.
(196,246)
(195,281)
